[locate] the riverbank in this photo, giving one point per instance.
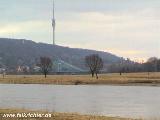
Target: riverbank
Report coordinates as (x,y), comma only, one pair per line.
(151,79)
(54,116)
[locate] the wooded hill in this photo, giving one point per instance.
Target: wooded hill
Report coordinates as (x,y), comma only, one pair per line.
(14,52)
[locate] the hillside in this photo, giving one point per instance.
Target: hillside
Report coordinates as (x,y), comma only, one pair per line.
(14,52)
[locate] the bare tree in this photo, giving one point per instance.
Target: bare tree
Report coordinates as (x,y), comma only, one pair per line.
(45,65)
(95,64)
(99,65)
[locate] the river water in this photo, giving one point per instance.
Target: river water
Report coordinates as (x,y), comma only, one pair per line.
(124,101)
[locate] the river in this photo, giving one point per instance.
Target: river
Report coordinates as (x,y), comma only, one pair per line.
(124,101)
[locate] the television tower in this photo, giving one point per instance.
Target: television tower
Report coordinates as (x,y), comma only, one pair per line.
(53,25)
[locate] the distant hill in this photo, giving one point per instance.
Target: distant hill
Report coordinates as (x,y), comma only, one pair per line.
(14,52)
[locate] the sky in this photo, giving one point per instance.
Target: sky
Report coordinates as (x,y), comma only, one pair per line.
(126,28)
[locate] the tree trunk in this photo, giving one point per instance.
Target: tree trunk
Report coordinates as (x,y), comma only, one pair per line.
(96,75)
(92,74)
(120,73)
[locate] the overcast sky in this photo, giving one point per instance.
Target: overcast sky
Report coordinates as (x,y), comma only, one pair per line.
(128,28)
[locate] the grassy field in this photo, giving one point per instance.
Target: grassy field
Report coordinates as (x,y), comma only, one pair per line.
(124,79)
(55,116)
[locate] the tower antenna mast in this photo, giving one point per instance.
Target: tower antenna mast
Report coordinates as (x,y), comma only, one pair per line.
(53,25)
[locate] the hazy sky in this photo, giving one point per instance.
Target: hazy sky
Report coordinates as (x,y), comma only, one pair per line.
(128,28)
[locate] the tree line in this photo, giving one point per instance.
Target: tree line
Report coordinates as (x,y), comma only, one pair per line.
(95,65)
(128,66)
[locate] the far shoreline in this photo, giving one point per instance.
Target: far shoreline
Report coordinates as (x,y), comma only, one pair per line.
(112,79)
(128,84)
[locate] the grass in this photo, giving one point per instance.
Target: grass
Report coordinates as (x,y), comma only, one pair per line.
(124,79)
(56,116)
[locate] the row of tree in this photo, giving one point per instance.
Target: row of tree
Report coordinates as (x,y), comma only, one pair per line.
(95,64)
(152,65)
(127,66)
